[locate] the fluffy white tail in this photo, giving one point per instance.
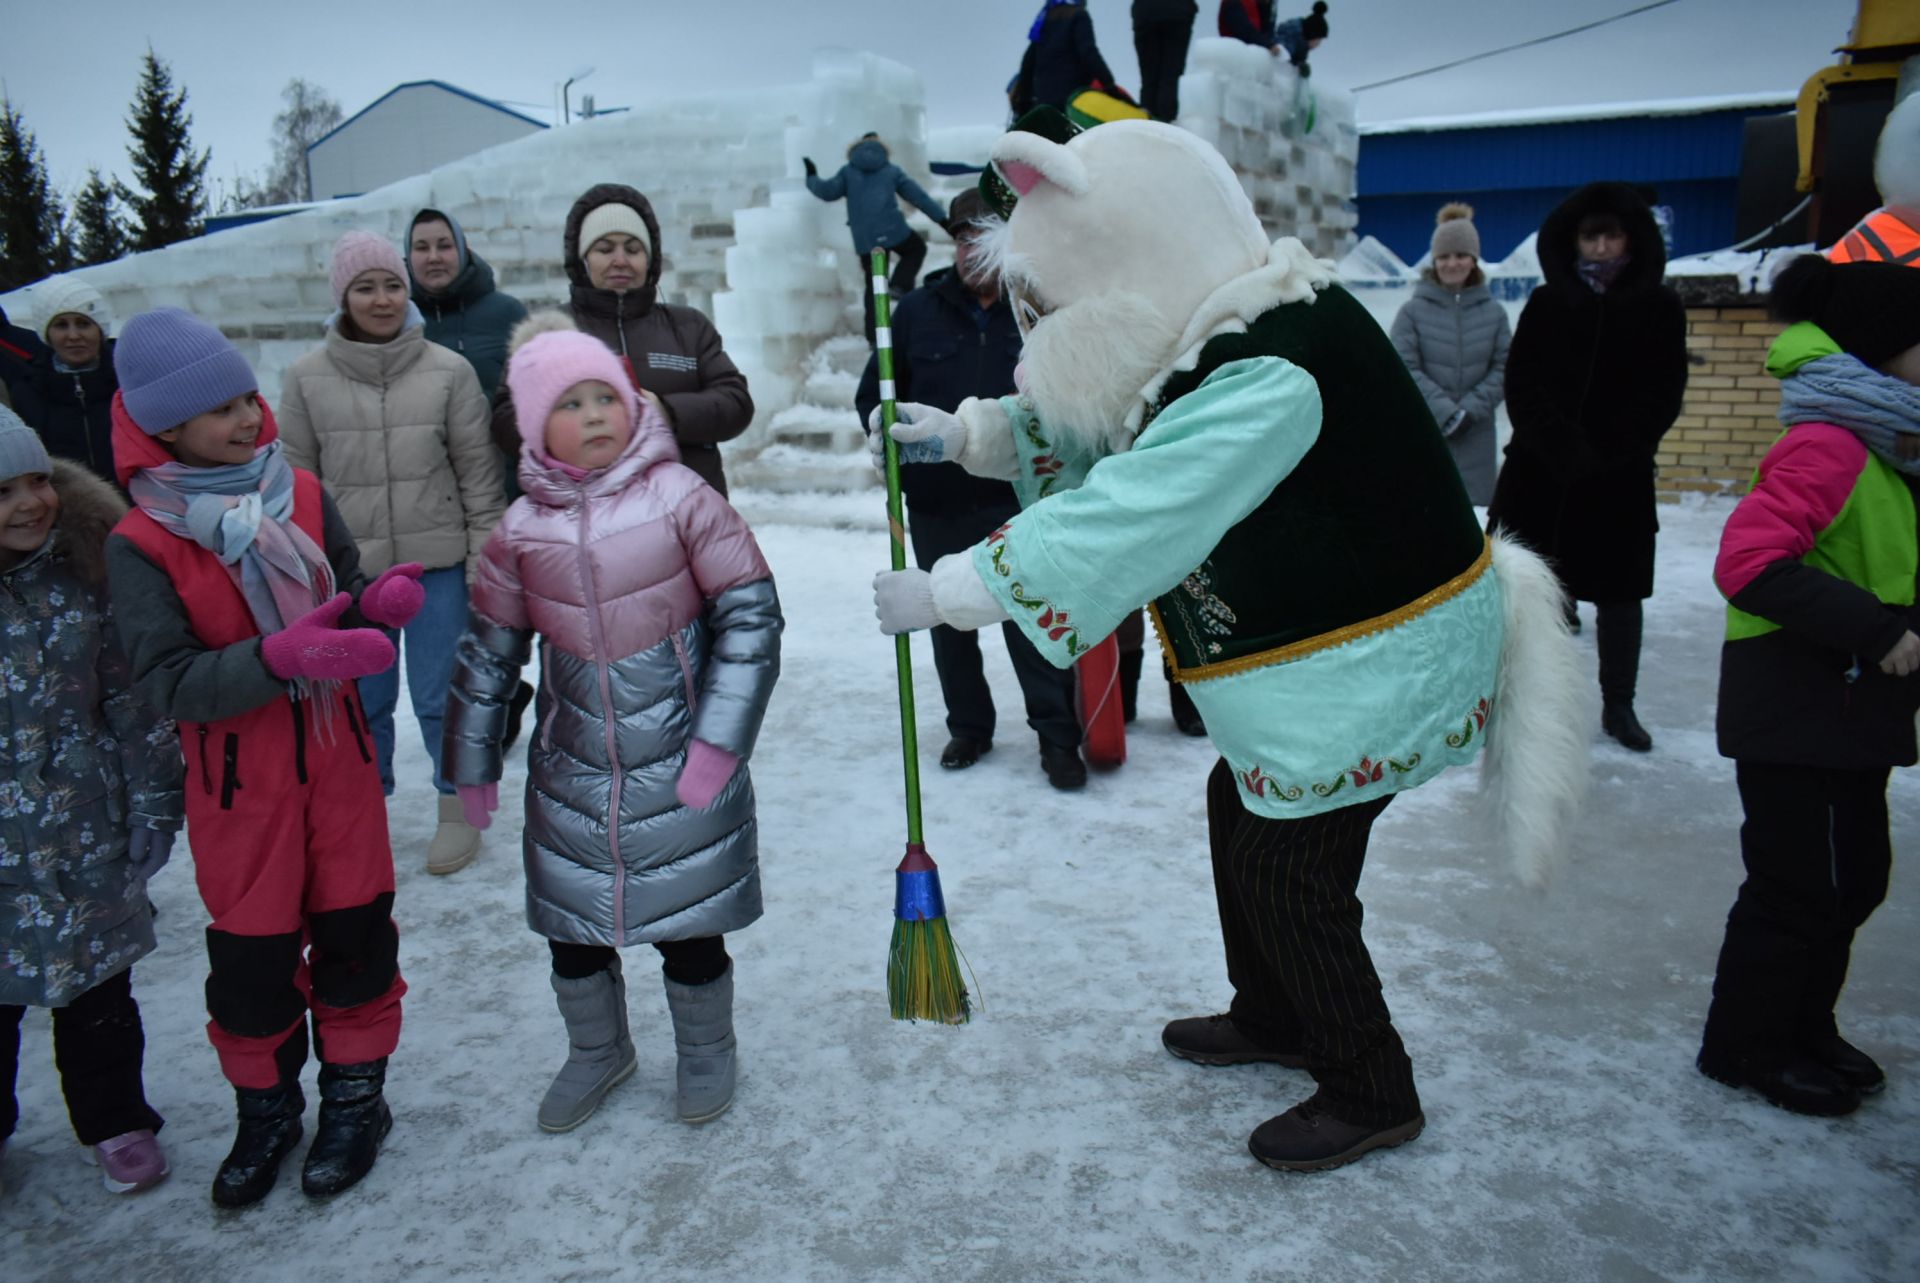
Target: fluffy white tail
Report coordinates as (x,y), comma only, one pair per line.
(1534,774)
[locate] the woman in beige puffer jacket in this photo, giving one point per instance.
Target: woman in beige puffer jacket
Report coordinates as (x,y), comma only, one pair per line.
(397,429)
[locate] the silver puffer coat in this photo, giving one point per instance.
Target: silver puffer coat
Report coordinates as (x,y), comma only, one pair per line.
(658,623)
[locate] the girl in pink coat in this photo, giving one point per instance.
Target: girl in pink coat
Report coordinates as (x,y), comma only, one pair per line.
(659,633)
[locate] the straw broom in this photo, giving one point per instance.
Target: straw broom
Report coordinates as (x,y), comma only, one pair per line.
(923,969)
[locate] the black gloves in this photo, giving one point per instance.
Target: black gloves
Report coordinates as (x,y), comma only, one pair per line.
(812,170)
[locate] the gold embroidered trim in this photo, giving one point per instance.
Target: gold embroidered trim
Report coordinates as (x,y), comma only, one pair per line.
(1327,640)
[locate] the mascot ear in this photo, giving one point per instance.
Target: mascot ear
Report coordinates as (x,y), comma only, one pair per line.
(1021,176)
(1027,160)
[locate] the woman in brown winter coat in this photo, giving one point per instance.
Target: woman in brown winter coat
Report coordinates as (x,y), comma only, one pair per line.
(673,353)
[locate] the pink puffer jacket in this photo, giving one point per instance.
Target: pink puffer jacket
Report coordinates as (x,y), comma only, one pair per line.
(658,623)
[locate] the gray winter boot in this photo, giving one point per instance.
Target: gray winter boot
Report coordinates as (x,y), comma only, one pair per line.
(703,1035)
(601,1052)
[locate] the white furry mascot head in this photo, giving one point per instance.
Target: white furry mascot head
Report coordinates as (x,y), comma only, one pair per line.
(1131,243)
(1896,163)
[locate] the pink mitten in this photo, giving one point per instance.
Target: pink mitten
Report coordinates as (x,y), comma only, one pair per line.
(478,802)
(312,647)
(706,772)
(395,597)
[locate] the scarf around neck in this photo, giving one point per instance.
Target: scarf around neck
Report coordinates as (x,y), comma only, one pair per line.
(1600,274)
(1841,389)
(242,513)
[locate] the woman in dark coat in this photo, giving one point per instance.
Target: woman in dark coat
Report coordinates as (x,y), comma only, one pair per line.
(611,252)
(1595,377)
(65,390)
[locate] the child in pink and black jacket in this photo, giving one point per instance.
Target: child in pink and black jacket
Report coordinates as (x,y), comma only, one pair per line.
(1818,685)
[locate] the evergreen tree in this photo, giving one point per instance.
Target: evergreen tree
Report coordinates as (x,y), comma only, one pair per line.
(172,195)
(100,236)
(30,215)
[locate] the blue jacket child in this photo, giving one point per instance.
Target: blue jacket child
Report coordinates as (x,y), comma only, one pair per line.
(872,185)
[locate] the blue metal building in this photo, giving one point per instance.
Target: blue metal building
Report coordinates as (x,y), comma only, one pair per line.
(1514,167)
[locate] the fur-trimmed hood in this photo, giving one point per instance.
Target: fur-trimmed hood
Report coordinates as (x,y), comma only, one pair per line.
(89,509)
(1558,245)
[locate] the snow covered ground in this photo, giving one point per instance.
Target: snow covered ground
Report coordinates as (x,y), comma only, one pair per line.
(1568,1134)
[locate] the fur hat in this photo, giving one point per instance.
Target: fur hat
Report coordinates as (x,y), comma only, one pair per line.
(607,220)
(64,294)
(1896,163)
(358,252)
(1872,310)
(1314,25)
(21,450)
(1454,232)
(548,355)
(172,366)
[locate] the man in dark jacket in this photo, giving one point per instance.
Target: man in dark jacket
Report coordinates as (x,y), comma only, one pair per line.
(954,338)
(673,352)
(1061,58)
(1162,29)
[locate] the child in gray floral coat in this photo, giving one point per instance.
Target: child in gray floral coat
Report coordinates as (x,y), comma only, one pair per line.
(90,799)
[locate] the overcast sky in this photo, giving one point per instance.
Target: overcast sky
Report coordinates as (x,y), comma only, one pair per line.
(71,69)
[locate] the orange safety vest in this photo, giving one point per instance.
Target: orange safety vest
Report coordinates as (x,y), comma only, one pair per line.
(1881,237)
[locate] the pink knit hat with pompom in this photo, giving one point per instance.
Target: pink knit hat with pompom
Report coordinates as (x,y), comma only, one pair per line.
(549,356)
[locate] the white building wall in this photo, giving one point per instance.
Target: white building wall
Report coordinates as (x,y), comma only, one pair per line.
(416,129)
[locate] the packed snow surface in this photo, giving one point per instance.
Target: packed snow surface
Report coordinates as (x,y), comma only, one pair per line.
(1568,1135)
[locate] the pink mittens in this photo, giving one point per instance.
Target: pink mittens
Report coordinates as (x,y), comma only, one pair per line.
(478,802)
(395,597)
(706,772)
(312,647)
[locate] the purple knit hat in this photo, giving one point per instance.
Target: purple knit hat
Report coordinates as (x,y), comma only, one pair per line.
(172,365)
(358,252)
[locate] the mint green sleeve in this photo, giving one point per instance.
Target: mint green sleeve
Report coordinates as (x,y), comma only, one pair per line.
(1046,465)
(1078,561)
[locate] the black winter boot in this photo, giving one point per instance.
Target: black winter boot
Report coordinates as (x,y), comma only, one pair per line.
(1617,628)
(1130,683)
(269,1129)
(354,1119)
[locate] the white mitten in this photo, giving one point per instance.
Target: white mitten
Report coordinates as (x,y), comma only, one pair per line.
(903,600)
(924,435)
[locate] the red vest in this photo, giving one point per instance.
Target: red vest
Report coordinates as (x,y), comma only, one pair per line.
(215,606)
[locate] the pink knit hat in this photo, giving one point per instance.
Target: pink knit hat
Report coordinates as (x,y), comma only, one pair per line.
(550,356)
(358,252)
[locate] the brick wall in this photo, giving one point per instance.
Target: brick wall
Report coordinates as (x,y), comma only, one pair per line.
(1728,420)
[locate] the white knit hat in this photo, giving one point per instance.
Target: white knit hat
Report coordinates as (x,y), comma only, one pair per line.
(59,295)
(604,220)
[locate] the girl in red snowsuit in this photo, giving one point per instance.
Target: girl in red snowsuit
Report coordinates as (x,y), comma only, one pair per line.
(234,574)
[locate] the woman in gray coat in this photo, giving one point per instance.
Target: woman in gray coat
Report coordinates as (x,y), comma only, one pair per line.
(1453,335)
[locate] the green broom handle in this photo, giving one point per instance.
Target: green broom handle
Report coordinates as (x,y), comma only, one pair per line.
(897,530)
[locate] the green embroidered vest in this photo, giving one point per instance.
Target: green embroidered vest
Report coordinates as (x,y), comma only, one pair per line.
(1372,527)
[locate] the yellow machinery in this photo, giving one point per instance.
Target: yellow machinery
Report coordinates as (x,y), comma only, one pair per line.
(1886,33)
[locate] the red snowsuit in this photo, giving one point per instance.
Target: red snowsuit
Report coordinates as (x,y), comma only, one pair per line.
(285,817)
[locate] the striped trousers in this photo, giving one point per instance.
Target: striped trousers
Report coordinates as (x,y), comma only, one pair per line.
(1301,975)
